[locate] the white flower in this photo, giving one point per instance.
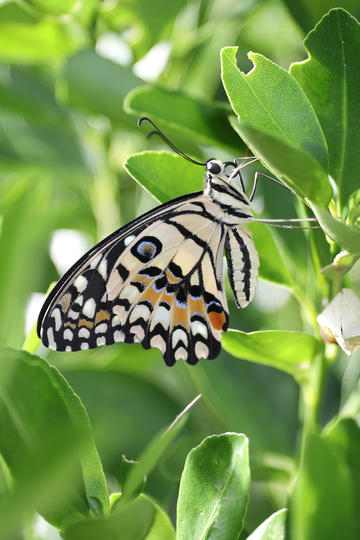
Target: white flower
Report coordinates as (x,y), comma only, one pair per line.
(340,321)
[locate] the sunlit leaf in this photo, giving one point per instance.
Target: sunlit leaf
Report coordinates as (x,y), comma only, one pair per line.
(273,528)
(206,122)
(346,236)
(321,505)
(330,78)
(214,489)
(344,436)
(285,135)
(131,522)
(165,175)
(31,428)
(292,352)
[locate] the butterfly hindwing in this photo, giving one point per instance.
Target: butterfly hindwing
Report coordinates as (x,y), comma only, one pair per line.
(159,280)
(243,264)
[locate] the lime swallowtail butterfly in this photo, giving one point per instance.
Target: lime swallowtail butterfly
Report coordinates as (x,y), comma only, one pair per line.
(159,280)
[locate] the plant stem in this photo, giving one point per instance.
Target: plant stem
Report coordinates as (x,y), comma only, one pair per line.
(311,393)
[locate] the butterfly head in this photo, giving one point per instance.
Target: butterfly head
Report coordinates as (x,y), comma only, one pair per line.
(224,177)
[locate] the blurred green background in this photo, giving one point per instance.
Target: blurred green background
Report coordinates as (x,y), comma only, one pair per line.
(65,69)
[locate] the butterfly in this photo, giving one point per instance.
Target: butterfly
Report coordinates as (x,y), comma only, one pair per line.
(159,280)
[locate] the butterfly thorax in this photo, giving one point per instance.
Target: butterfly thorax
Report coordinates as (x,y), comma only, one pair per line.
(223,189)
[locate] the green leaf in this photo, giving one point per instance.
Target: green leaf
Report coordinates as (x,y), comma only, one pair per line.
(151,455)
(165,175)
(20,242)
(254,97)
(131,522)
(272,265)
(214,489)
(275,128)
(346,236)
(33,425)
(294,166)
(161,528)
(344,436)
(321,505)
(25,38)
(291,352)
(273,528)
(97,85)
(204,121)
(330,78)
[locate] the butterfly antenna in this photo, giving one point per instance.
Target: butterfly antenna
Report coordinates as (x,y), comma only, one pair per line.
(158,131)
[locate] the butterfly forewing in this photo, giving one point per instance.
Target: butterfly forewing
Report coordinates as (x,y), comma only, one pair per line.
(159,280)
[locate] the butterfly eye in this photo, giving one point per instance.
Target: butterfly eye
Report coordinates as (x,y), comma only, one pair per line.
(214,166)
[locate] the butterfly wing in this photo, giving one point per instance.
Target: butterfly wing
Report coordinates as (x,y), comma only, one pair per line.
(243,264)
(159,280)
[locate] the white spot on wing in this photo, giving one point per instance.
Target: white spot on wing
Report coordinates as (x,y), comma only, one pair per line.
(129,239)
(103,269)
(56,314)
(158,342)
(201,350)
(68,334)
(138,332)
(101,328)
(179,335)
(89,308)
(73,314)
(139,311)
(84,333)
(84,345)
(101,341)
(80,283)
(50,336)
(119,335)
(197,327)
(161,315)
(181,353)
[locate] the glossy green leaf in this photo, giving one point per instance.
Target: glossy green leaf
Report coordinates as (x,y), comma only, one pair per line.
(346,236)
(131,522)
(254,97)
(273,528)
(321,505)
(279,132)
(330,78)
(272,265)
(25,38)
(204,121)
(214,489)
(291,352)
(31,428)
(294,166)
(102,93)
(165,175)
(344,436)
